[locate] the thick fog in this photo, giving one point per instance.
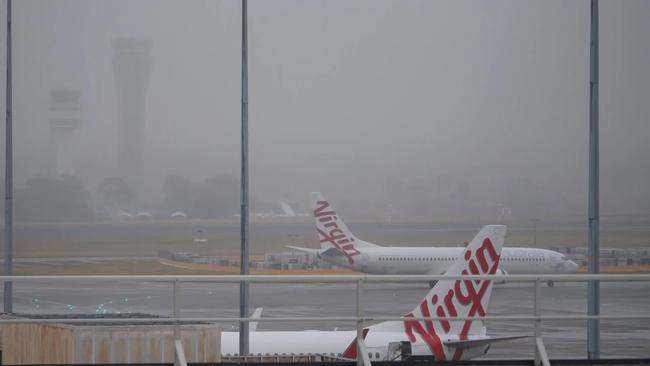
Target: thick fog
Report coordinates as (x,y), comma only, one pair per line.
(417,110)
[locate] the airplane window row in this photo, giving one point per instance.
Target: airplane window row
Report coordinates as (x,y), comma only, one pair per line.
(415,259)
(430,259)
(285,354)
(507,259)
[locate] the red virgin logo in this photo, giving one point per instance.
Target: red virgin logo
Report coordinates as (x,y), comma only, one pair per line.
(330,232)
(465,295)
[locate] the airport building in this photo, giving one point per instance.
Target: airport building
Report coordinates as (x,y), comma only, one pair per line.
(64,121)
(609,256)
(279,260)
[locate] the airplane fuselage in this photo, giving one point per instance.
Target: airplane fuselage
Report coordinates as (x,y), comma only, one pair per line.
(436,260)
(460,336)
(331,343)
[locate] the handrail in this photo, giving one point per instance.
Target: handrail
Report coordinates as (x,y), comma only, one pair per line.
(173,320)
(359,280)
(337,278)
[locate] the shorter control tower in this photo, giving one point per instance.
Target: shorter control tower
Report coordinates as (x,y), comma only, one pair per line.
(65,119)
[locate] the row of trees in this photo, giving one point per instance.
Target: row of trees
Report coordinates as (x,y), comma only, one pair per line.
(51,199)
(66,198)
(216,197)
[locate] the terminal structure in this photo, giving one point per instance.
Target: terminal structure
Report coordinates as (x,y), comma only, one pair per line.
(65,119)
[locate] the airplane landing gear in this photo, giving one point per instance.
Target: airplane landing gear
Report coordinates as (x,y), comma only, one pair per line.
(550,283)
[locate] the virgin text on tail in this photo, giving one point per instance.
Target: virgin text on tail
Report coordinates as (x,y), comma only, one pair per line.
(463,298)
(331,232)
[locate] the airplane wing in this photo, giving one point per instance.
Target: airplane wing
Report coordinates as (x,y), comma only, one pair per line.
(331,252)
(305,250)
(479,342)
(436,270)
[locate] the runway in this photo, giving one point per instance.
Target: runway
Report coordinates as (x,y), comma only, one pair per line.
(566,339)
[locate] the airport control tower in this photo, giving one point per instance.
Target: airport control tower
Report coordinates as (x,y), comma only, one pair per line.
(65,119)
(131,69)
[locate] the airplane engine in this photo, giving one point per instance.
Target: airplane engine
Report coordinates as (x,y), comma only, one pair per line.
(500,272)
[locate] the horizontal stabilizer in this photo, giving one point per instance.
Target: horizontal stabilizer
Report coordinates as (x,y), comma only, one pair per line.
(480,342)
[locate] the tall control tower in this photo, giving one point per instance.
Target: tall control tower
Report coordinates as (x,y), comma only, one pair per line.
(64,120)
(131,69)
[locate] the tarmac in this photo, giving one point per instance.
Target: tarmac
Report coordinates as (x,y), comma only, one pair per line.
(563,339)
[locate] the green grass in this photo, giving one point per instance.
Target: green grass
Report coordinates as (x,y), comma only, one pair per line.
(146,239)
(122,267)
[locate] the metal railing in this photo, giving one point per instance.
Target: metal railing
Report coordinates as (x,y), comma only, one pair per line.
(359,280)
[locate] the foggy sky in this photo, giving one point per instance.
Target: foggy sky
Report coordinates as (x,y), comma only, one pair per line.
(455,105)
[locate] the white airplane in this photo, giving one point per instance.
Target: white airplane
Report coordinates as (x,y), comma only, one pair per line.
(340,247)
(443,339)
(287,210)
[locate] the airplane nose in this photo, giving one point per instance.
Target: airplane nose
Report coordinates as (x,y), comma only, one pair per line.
(573,267)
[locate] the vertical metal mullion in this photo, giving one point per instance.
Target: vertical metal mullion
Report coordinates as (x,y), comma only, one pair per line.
(244,228)
(593,287)
(538,321)
(176,309)
(9,226)
(359,321)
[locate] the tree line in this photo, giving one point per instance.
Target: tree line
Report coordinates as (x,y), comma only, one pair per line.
(67,199)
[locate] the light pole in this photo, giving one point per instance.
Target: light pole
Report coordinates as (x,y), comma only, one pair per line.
(535,221)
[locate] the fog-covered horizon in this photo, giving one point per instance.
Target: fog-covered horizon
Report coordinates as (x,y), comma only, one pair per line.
(412,109)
